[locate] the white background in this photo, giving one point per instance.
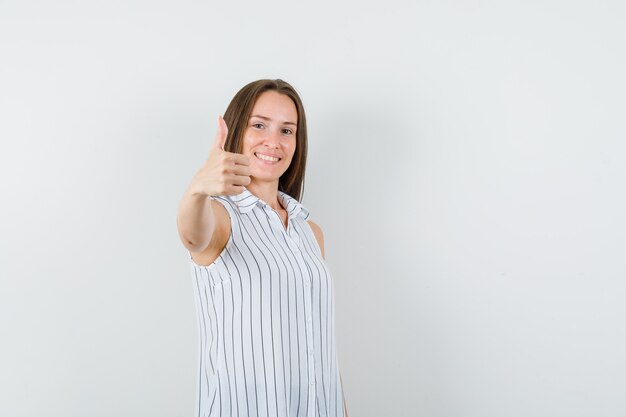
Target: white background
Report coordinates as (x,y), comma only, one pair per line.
(466,165)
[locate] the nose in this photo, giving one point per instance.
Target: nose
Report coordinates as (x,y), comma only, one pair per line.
(272,139)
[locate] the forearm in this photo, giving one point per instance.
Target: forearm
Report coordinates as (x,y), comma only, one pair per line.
(195,220)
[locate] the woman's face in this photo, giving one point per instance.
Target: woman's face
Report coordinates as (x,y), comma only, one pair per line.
(270,137)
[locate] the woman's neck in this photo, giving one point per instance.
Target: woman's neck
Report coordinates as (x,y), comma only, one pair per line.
(266,191)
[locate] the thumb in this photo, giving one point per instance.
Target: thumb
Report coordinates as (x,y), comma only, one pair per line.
(222,132)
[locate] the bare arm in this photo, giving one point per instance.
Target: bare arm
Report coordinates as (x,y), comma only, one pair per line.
(195,221)
(223,173)
(319,236)
(345,405)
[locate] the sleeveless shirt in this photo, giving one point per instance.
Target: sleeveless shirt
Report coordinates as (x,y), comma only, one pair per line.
(266,318)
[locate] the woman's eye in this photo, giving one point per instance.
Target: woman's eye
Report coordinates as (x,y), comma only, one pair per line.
(258,125)
(287,131)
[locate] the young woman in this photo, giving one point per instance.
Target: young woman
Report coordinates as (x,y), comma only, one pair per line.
(264,294)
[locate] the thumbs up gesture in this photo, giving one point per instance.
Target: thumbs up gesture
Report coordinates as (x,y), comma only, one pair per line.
(223,173)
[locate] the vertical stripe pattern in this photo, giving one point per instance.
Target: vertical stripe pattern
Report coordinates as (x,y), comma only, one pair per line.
(266,318)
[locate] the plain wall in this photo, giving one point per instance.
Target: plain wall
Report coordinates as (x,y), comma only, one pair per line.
(467,166)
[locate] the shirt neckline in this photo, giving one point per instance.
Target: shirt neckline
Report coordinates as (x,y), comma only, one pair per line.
(246,201)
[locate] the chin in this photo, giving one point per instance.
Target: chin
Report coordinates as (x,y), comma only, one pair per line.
(266,176)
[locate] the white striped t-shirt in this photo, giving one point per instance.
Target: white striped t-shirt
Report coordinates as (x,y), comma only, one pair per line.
(266,318)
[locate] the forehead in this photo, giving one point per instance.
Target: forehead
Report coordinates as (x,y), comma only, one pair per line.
(275,106)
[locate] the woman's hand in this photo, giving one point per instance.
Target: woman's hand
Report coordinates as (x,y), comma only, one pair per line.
(223,173)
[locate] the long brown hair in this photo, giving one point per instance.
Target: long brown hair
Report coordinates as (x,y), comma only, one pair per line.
(236,118)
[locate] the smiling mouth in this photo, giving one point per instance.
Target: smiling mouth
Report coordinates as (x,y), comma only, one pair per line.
(266,157)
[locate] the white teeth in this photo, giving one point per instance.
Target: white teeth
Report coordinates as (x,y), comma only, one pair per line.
(266,158)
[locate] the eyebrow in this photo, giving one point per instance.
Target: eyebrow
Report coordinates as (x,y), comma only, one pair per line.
(268,119)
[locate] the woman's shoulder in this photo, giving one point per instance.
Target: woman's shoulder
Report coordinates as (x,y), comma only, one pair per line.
(315,227)
(319,235)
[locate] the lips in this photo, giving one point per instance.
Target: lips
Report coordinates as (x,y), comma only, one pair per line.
(266,157)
